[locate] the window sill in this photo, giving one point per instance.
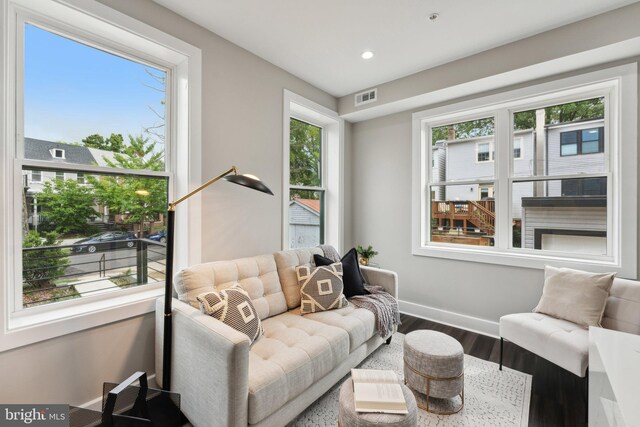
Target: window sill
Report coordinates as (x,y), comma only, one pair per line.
(524,259)
(29,326)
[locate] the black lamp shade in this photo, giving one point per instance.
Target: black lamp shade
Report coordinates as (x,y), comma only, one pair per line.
(248,181)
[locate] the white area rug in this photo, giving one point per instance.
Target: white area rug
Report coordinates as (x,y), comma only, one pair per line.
(493,398)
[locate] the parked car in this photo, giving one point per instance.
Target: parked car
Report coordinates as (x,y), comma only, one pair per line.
(159,236)
(106,241)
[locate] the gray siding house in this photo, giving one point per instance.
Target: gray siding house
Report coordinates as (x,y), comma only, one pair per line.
(559,215)
(304,223)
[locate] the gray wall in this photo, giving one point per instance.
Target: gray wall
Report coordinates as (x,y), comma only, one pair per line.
(241,125)
(483,291)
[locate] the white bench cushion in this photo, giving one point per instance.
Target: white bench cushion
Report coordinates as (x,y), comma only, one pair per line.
(294,353)
(559,341)
(359,323)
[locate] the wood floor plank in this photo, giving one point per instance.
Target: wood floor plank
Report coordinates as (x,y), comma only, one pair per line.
(556,394)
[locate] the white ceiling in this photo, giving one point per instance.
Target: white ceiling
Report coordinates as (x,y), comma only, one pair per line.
(320,41)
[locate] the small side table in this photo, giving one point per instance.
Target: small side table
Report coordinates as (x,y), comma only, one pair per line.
(348,417)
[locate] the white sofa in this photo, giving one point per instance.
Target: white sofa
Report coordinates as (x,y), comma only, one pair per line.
(565,343)
(223,381)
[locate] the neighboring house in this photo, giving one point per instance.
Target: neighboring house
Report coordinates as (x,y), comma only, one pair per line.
(546,211)
(58,152)
(304,223)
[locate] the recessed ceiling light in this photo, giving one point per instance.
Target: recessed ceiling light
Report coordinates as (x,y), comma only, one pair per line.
(434,16)
(367,54)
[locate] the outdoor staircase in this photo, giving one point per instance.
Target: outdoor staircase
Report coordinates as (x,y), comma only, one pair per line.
(482,217)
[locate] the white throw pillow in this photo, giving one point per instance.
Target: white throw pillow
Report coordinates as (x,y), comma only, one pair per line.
(574,295)
(233,307)
(321,288)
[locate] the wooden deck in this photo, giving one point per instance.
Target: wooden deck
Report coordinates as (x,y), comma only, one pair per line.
(474,214)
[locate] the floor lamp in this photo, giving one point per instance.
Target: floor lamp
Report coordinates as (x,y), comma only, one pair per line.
(232,176)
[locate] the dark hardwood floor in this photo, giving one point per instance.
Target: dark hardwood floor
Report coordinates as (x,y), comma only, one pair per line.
(557,396)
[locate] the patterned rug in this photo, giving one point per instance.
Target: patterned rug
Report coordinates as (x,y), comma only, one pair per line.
(493,398)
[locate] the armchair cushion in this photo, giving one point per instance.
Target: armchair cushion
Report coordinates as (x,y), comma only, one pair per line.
(559,341)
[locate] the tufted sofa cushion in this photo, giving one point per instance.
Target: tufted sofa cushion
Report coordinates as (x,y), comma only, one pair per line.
(287,261)
(622,311)
(359,323)
(559,341)
(257,275)
(294,353)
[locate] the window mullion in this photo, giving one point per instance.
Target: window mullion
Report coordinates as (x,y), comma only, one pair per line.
(503,150)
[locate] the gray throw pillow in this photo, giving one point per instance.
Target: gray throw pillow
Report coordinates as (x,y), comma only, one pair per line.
(321,288)
(574,295)
(233,307)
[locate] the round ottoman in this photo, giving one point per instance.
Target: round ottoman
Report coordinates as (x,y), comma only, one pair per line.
(348,417)
(434,367)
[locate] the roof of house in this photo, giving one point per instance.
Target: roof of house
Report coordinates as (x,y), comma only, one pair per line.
(38,149)
(311,204)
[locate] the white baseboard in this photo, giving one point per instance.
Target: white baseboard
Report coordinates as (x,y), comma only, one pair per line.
(96,404)
(462,321)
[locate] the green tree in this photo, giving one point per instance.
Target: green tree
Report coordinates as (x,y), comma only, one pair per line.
(138,199)
(67,205)
(304,153)
(573,111)
(113,143)
(40,267)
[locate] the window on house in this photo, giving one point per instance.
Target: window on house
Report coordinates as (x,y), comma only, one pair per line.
(582,141)
(312,147)
(83,236)
(517,148)
(306,185)
(36,176)
(461,211)
(561,204)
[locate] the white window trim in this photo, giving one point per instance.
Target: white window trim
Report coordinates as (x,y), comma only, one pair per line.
(55,150)
(332,126)
(621,81)
(112,29)
(491,151)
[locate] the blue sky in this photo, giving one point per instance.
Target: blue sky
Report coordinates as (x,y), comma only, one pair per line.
(72,90)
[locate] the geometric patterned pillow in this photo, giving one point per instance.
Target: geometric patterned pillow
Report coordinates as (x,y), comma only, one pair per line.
(233,307)
(321,288)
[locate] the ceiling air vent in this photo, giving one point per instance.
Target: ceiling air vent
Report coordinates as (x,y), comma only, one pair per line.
(366,97)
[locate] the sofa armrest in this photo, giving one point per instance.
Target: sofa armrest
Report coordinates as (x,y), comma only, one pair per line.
(385,278)
(210,366)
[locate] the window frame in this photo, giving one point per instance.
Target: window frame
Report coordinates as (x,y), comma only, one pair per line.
(491,151)
(98,26)
(579,142)
(622,115)
(332,155)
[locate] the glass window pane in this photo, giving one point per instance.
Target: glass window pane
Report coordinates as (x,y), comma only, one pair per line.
(569,150)
(589,147)
(463,214)
(84,239)
(551,139)
(464,150)
(83,105)
(590,135)
(305,154)
(561,215)
(306,218)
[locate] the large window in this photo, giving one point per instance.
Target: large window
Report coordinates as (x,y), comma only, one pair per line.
(95,141)
(545,183)
(313,159)
(82,240)
(306,191)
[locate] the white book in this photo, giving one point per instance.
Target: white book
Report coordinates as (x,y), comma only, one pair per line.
(377,391)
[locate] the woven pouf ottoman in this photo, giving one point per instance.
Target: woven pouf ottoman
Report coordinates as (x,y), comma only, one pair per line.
(348,417)
(434,368)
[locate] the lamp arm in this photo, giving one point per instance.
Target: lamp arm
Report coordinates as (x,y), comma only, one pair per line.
(172,205)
